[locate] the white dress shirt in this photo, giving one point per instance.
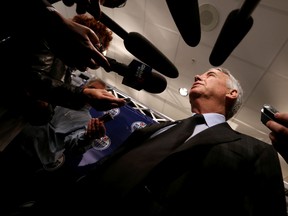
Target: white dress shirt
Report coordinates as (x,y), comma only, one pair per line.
(210,118)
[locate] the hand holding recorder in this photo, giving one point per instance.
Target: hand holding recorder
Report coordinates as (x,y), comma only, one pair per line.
(278,127)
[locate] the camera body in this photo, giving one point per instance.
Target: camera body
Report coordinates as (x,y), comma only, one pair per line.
(267,113)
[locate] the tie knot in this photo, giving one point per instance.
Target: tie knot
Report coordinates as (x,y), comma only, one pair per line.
(198,118)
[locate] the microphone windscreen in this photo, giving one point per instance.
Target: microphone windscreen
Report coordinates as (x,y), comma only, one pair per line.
(144,50)
(155,83)
(233,31)
(187,19)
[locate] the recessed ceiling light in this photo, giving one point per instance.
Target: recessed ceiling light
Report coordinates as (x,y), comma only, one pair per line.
(183,92)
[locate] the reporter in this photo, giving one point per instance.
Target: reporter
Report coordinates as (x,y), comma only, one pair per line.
(68,130)
(39,72)
(279,134)
(37,76)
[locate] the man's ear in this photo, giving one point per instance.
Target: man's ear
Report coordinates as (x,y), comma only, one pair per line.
(232,94)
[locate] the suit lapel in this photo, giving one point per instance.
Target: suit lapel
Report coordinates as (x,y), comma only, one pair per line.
(221,133)
(189,155)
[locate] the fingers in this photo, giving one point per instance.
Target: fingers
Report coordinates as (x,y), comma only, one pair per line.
(101,99)
(96,52)
(95,129)
(272,137)
(277,128)
(282,118)
(93,60)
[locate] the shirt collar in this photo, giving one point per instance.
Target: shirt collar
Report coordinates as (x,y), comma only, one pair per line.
(213,118)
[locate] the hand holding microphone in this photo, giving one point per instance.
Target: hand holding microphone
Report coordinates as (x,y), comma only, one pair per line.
(140,47)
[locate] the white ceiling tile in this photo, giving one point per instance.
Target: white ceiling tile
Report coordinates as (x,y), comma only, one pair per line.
(272,89)
(130,25)
(281,5)
(157,12)
(67,12)
(167,41)
(192,60)
(280,64)
(263,41)
(251,119)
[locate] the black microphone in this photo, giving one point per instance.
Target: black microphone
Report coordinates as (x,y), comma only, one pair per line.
(187,19)
(145,51)
(141,48)
(138,75)
(236,26)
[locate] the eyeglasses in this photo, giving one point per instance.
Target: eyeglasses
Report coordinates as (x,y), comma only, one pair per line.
(114,3)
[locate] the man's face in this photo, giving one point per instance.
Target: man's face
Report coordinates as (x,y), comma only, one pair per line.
(210,85)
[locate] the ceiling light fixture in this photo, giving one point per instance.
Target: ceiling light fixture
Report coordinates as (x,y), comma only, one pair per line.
(183,92)
(209,17)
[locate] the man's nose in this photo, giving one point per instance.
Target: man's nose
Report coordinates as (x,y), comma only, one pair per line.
(197,77)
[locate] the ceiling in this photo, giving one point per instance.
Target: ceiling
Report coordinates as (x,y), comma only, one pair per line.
(259,62)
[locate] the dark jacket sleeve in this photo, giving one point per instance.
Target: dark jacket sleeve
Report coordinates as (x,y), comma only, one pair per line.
(56,92)
(24,17)
(43,80)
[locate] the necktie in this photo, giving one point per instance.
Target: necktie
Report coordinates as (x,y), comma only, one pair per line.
(135,164)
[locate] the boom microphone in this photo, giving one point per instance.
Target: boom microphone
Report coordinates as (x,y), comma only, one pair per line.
(236,26)
(144,50)
(139,76)
(187,19)
(141,48)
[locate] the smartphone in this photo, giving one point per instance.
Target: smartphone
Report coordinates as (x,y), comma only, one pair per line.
(267,113)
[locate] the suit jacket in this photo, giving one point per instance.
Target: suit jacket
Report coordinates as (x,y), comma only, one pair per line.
(217,172)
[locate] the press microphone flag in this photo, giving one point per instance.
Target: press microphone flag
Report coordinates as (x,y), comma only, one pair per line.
(186,16)
(236,26)
(139,76)
(141,48)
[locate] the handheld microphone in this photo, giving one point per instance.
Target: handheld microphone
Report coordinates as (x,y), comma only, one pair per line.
(139,76)
(187,19)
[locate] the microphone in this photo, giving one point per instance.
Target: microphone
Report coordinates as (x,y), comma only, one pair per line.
(187,19)
(138,76)
(140,47)
(145,51)
(106,117)
(236,26)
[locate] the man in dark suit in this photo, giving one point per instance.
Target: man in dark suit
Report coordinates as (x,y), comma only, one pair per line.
(215,171)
